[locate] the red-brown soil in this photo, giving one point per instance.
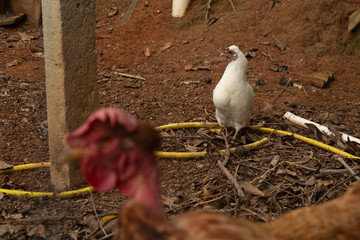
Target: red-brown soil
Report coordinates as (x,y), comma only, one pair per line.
(316,39)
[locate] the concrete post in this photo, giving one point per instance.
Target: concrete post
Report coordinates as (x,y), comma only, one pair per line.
(71,75)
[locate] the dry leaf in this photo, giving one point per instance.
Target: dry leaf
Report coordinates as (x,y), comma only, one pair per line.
(271,4)
(170,202)
(12,63)
(248,187)
(275,160)
(191,148)
(41,231)
(188,67)
(4,165)
(326,139)
(251,53)
(171,132)
(24,37)
(281,46)
(164,134)
(286,171)
(7,228)
(16,216)
(91,222)
(112,13)
(311,181)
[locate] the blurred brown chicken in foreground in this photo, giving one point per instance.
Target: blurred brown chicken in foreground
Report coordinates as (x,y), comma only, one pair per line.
(116,150)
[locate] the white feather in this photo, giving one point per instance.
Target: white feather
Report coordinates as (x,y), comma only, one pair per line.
(233,96)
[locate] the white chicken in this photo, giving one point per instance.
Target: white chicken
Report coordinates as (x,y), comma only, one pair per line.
(233,96)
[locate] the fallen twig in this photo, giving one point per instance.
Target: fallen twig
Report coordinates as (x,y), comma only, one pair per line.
(128,75)
(38,219)
(255,213)
(96,215)
(267,55)
(264,175)
(208,7)
(321,170)
(278,41)
(232,5)
(107,236)
(210,201)
(108,205)
(348,168)
(239,191)
(227,150)
(333,187)
(129,11)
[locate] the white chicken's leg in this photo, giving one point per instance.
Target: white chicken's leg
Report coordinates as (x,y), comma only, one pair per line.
(238,127)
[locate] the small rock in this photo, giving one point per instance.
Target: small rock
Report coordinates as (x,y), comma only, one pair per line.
(292,105)
(147,52)
(207,80)
(23,85)
(285,81)
(200,166)
(260,82)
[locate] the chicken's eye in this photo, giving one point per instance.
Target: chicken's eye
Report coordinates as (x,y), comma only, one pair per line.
(106,140)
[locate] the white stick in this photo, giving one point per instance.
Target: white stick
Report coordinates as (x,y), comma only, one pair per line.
(302,122)
(179,7)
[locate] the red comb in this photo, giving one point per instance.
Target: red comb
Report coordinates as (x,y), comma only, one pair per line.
(114,116)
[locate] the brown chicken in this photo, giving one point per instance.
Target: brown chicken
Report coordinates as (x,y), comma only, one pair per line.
(116,150)
(337,219)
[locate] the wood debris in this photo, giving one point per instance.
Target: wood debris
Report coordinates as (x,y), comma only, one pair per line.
(320,79)
(354,20)
(10,19)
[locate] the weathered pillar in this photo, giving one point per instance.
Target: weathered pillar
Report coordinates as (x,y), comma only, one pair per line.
(71,75)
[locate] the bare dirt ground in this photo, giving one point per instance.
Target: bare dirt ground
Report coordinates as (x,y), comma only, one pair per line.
(287,173)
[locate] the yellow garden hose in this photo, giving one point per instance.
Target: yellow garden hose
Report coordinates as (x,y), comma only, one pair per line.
(189,125)
(67,194)
(305,139)
(259,129)
(159,154)
(26,166)
(247,147)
